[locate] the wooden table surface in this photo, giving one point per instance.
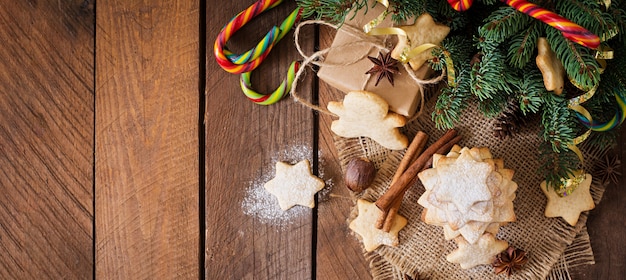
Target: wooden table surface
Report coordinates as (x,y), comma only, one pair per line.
(126,152)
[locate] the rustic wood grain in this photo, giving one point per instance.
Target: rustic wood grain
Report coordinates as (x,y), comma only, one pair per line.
(147,180)
(243,143)
(607,229)
(46,142)
(339,252)
(146,149)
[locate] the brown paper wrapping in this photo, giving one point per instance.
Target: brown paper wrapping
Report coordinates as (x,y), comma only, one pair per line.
(346,63)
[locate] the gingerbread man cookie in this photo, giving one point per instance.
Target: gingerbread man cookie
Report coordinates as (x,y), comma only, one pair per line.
(550,66)
(366,114)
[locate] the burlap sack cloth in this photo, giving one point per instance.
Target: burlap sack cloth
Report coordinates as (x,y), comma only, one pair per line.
(553,245)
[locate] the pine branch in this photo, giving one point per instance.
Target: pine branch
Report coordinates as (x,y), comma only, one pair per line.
(614,79)
(523,45)
(558,122)
(589,14)
(489,2)
(556,164)
(504,23)
(442,12)
(334,11)
(491,76)
(494,106)
(531,90)
(402,10)
(619,16)
(451,102)
(579,62)
(459,49)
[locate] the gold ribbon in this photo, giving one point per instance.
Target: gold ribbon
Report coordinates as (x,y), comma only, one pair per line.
(569,185)
(604,52)
(607,3)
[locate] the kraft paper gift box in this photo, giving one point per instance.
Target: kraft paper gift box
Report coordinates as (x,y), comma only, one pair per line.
(346,63)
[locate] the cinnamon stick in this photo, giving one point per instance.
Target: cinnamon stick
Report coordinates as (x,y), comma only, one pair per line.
(398,188)
(417,145)
(396,203)
(391,214)
(413,151)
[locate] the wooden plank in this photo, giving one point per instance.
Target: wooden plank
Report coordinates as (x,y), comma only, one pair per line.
(607,228)
(339,253)
(245,236)
(46,140)
(147,104)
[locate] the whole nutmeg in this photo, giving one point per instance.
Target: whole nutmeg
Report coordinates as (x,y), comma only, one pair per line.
(360,173)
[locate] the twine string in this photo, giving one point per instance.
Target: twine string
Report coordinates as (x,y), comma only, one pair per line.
(361,39)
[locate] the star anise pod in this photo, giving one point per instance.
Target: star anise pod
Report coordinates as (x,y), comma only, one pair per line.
(384,66)
(509,260)
(608,170)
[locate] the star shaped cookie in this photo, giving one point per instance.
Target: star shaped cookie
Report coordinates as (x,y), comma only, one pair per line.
(550,66)
(294,185)
(366,114)
(365,222)
(569,207)
(424,31)
(483,251)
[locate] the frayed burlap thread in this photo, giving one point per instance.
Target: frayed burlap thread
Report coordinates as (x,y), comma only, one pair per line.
(552,244)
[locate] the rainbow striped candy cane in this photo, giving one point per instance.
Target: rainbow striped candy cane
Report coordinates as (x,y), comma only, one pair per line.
(460,5)
(245,63)
(569,29)
(276,95)
(585,117)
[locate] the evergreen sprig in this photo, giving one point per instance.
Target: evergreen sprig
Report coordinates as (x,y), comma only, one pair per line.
(579,62)
(531,91)
(556,164)
(558,122)
(334,11)
(524,44)
(503,24)
(589,13)
(452,101)
(485,82)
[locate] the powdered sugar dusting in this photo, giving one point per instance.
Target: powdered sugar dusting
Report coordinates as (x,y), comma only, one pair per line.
(263,206)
